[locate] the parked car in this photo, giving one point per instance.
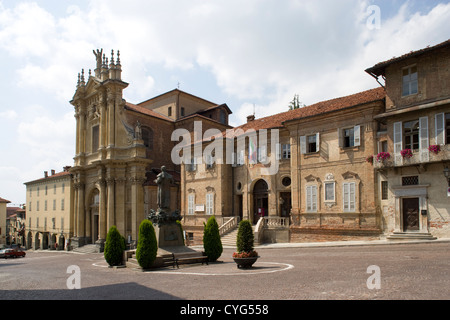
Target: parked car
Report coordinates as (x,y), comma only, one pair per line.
(2,253)
(13,253)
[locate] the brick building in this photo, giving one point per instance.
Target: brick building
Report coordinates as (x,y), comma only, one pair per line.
(414,131)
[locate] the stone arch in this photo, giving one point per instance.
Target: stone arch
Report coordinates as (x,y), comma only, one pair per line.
(37,241)
(260,195)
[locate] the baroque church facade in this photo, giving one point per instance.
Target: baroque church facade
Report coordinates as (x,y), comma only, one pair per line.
(121,147)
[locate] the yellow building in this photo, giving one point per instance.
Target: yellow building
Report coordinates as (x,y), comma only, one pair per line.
(49,211)
(3,204)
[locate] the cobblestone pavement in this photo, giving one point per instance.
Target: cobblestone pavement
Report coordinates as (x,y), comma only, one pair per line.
(406,272)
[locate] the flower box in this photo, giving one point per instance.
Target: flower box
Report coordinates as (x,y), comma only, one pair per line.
(383,156)
(406,153)
(434,149)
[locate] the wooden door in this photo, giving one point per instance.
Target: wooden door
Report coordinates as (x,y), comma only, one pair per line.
(411,214)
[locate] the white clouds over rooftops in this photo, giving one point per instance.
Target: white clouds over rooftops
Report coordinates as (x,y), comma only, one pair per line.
(252,51)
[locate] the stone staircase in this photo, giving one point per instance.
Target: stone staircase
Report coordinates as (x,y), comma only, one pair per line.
(229,239)
(90,248)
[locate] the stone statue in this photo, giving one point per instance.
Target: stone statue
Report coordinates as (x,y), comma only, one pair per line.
(98,56)
(138,131)
(163,180)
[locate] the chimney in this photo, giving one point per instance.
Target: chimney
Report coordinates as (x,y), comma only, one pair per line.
(45,174)
(53,172)
(250,118)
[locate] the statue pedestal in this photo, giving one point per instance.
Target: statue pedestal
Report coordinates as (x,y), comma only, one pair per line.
(169,235)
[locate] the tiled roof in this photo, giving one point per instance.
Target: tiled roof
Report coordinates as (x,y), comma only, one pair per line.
(278,120)
(139,109)
(56,175)
(379,68)
(4,201)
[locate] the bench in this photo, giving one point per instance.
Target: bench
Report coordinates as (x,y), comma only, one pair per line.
(190,257)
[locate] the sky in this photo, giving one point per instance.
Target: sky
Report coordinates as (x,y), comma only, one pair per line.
(253,55)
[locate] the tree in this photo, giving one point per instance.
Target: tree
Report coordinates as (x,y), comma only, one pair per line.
(245,237)
(147,247)
(211,240)
(114,247)
(295,103)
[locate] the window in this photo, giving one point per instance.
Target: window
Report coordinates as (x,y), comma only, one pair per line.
(312,144)
(223,117)
(410,181)
(147,136)
(95,138)
(311,199)
(169,112)
(330,192)
(191,201)
(241,158)
(45,205)
(349,197)
(182,111)
(192,166)
(62,204)
(411,134)
(63,187)
(54,204)
(447,128)
(210,203)
(410,84)
(350,137)
(54,189)
(209,161)
(286,151)
(384,190)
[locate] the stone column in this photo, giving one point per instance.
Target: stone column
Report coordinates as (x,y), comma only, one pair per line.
(102,211)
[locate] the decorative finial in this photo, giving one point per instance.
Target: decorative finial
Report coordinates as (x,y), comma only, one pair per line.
(78,82)
(112,56)
(89,72)
(118,57)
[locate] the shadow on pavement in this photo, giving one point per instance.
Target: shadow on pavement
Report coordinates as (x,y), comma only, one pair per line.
(122,291)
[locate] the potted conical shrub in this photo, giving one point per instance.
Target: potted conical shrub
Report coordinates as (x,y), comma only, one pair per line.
(245,256)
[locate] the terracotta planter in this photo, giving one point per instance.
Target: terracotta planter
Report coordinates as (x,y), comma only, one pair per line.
(245,263)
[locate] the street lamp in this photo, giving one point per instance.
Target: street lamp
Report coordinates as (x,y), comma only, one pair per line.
(447,175)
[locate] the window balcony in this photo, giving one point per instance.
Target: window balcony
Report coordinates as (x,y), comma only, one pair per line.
(417,158)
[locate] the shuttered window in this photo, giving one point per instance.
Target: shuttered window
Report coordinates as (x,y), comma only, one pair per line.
(311,198)
(209,203)
(191,200)
(349,197)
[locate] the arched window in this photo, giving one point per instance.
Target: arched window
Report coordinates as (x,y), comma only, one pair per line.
(147,136)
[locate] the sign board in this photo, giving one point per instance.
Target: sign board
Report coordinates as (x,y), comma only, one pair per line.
(199,208)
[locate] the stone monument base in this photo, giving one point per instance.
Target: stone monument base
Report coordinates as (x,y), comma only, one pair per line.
(169,235)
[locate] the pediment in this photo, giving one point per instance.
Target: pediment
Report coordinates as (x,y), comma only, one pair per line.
(350,175)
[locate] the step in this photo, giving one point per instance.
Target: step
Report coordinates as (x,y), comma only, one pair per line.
(411,236)
(90,248)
